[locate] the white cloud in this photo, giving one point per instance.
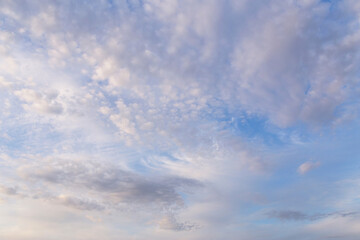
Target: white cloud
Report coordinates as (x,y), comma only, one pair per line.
(43,103)
(4,83)
(158,88)
(344,227)
(307,166)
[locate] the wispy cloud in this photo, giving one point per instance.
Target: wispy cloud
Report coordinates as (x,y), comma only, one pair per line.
(288,215)
(178,119)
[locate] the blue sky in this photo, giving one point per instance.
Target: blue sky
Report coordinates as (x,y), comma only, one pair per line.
(167,119)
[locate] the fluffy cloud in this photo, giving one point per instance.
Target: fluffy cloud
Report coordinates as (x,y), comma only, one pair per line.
(42,103)
(175,102)
(286,60)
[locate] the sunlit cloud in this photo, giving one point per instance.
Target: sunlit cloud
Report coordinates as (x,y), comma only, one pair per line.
(169,119)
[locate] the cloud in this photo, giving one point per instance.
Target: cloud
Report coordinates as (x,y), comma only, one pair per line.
(336,227)
(287,215)
(281,62)
(161,95)
(43,103)
(4,83)
(78,203)
(169,222)
(307,166)
(111,185)
(9,190)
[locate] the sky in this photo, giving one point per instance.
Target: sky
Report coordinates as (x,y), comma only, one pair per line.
(179,119)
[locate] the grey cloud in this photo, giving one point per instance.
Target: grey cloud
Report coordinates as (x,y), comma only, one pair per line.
(66,200)
(110,183)
(169,222)
(288,215)
(78,203)
(9,190)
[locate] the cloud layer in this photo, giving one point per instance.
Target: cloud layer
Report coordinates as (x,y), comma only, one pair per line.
(179,119)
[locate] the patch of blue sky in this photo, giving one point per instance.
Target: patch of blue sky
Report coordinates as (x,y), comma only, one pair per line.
(185,197)
(258,129)
(145,162)
(255,127)
(111,3)
(7,23)
(333,19)
(140,166)
(134,4)
(28,44)
(30,138)
(333,3)
(338,159)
